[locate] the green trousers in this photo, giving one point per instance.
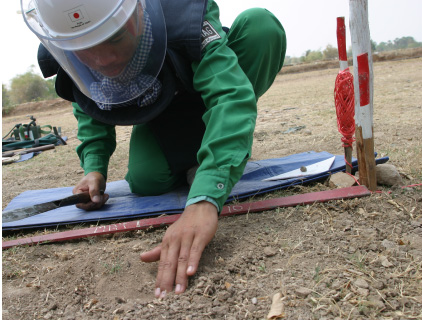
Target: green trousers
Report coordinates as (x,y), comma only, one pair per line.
(260,54)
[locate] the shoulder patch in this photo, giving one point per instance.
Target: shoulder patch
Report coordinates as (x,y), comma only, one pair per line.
(209,34)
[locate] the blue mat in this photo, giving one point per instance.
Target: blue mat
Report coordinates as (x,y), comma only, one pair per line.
(27,156)
(125,205)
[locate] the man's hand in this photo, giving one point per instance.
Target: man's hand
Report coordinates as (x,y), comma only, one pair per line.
(182,246)
(94,183)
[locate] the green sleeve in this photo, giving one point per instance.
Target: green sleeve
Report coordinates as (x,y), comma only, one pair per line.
(230,116)
(98,142)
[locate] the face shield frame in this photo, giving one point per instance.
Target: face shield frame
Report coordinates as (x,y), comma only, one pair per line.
(138,73)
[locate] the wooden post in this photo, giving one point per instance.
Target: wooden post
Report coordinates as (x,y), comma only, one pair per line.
(363,83)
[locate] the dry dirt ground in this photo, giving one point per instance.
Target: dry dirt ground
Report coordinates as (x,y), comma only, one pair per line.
(351,259)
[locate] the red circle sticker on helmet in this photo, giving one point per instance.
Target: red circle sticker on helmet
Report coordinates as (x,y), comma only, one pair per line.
(77,17)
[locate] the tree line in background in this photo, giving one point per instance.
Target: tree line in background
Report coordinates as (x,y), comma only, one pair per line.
(331,53)
(27,87)
(30,86)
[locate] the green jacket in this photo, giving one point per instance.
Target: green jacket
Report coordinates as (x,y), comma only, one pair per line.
(230,121)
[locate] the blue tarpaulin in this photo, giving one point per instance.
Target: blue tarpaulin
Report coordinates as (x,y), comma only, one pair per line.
(125,205)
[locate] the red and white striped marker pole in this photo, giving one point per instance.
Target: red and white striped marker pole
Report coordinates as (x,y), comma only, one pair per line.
(363,82)
(344,97)
(341,43)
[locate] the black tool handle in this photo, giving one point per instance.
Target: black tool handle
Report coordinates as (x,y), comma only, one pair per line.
(83,197)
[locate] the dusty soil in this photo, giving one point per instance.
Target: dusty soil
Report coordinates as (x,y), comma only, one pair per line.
(351,259)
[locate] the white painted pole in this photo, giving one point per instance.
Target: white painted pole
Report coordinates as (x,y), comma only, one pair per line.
(361,45)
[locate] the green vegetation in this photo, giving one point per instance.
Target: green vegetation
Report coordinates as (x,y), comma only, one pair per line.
(27,87)
(317,274)
(5,102)
(113,267)
(397,44)
(331,53)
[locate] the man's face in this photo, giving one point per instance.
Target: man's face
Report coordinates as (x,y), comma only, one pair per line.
(112,56)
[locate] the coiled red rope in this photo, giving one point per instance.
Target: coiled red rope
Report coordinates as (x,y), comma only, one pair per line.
(344,97)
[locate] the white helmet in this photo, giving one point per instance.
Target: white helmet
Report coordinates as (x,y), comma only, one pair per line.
(81,35)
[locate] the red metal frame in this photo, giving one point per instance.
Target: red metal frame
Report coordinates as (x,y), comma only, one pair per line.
(241,208)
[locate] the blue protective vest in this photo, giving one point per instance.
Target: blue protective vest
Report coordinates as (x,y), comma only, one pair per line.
(184,19)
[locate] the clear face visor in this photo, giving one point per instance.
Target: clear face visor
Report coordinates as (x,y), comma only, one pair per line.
(117,60)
